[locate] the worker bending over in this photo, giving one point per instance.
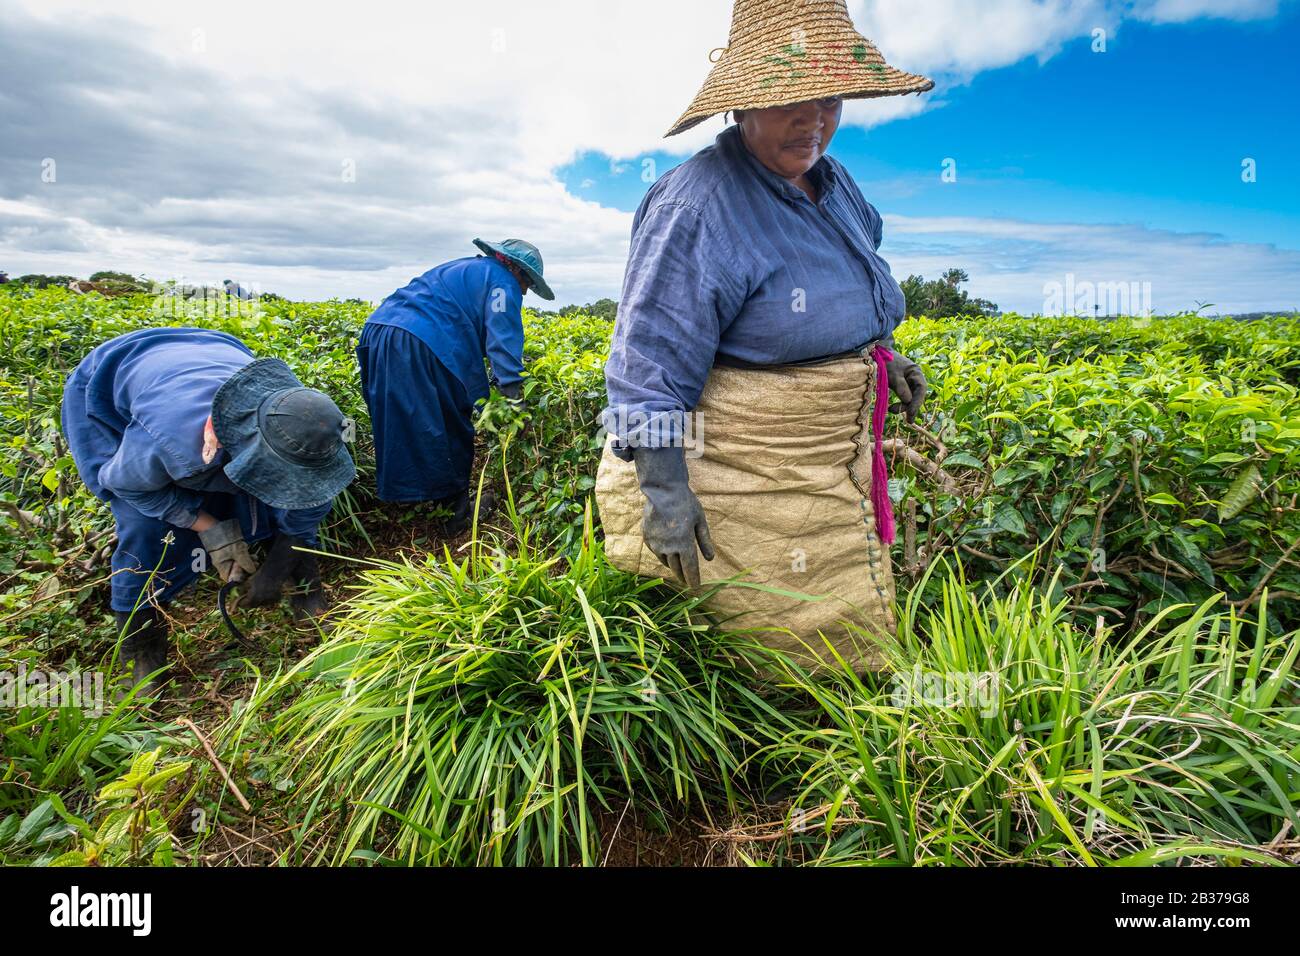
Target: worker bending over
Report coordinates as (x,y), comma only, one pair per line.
(200,448)
(422,370)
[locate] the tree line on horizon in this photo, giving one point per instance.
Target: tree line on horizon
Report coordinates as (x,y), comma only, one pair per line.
(937,298)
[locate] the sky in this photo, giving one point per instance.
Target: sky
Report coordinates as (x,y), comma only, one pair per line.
(338,149)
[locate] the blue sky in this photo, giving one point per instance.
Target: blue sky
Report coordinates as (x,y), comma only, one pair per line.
(341,154)
(1152,133)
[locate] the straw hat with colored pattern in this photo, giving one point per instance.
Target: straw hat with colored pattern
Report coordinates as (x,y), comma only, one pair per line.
(792,51)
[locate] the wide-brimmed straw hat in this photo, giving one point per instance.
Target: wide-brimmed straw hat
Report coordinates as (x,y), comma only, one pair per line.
(792,51)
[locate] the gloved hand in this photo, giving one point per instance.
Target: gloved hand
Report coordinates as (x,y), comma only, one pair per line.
(906,380)
(514,392)
(673,522)
(227,550)
(266,586)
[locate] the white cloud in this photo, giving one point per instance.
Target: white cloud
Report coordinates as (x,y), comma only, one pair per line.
(456,115)
(1012,262)
(1179,11)
(963,37)
(583,74)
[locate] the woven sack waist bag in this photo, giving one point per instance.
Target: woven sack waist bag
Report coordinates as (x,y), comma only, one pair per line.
(785,479)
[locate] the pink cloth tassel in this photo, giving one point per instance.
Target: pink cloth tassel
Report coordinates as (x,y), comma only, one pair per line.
(883,507)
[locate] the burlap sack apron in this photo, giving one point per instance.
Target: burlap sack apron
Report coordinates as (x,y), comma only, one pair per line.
(785,483)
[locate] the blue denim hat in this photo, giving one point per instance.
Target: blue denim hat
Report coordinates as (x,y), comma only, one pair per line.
(526,256)
(286,442)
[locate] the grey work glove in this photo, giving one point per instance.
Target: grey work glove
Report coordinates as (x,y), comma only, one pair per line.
(673,524)
(228,551)
(906,381)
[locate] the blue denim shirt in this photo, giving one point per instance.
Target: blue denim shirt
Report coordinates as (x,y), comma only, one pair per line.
(464,310)
(731,264)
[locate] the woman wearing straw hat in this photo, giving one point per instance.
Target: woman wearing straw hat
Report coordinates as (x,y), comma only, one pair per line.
(758,316)
(421,355)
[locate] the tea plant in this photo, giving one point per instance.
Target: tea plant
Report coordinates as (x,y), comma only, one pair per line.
(134,830)
(1122,496)
(1150,478)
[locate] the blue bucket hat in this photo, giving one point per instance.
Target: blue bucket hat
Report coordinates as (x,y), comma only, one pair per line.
(286,442)
(526,256)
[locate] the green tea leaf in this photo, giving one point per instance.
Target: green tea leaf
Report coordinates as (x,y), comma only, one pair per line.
(1162,498)
(1243,490)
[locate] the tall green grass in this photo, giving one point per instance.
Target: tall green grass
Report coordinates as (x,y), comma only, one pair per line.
(485,709)
(1074,746)
(488,710)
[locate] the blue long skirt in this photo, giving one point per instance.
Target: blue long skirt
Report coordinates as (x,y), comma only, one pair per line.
(421,414)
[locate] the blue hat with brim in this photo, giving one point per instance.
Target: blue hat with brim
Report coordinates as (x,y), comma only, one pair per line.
(526,256)
(286,442)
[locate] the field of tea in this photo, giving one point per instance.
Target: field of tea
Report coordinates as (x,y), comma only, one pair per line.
(1099,584)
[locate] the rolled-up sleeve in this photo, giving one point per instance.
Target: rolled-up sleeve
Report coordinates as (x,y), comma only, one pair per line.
(681,290)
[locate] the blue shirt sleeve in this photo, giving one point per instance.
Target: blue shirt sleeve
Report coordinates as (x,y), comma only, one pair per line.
(139,476)
(683,287)
(503,323)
